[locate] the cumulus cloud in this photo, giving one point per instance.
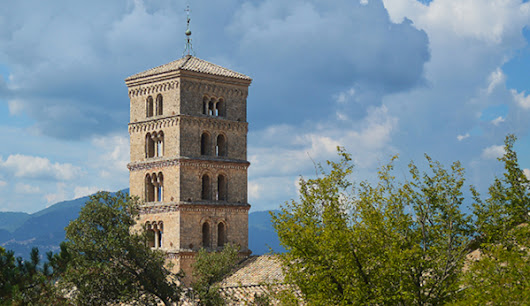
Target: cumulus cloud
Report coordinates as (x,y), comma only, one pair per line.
(521,98)
(114,153)
(496,78)
(527,173)
(24,166)
(493,152)
(59,195)
(82,191)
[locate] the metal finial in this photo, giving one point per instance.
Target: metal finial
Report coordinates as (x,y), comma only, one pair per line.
(189,47)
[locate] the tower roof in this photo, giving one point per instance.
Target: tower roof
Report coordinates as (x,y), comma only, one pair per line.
(190,63)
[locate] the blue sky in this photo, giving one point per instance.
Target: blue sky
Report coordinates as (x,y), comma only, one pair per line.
(448,78)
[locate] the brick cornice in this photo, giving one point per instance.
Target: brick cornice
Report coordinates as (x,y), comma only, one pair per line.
(207,162)
(212,206)
(204,121)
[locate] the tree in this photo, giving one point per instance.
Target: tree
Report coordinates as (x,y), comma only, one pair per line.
(110,263)
(388,243)
(502,273)
(209,269)
(23,282)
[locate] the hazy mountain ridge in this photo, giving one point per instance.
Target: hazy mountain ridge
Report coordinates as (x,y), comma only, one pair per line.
(44,229)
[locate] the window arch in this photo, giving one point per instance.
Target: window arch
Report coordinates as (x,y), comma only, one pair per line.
(205,144)
(149,107)
(206,192)
(211,107)
(160,188)
(154,187)
(154,144)
(150,235)
(149,189)
(221,234)
(220,145)
(160,144)
(159,105)
(206,235)
(221,188)
(154,233)
(220,108)
(205,105)
(149,146)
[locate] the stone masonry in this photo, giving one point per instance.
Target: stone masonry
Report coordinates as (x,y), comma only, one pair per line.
(188,138)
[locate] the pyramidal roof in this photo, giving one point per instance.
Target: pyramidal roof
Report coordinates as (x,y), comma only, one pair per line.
(190,63)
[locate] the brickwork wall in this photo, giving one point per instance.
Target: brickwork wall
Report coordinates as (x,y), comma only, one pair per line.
(183,211)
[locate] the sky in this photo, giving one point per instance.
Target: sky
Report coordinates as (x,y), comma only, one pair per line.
(450,78)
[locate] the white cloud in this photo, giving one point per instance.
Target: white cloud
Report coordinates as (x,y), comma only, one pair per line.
(26,189)
(24,166)
(115,153)
(345,96)
(58,196)
(496,78)
(81,191)
(363,2)
(497,121)
(527,173)
(254,191)
(488,21)
(521,98)
(493,152)
(462,137)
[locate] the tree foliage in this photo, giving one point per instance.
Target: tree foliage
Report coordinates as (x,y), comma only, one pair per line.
(209,269)
(502,273)
(25,282)
(108,263)
(387,243)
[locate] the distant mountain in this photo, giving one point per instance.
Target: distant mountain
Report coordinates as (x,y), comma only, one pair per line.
(44,229)
(262,238)
(10,221)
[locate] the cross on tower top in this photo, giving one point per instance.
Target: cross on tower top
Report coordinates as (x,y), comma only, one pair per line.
(189,48)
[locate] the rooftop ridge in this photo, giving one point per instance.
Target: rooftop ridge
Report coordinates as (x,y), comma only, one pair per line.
(193,64)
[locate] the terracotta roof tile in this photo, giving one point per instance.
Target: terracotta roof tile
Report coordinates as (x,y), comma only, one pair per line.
(190,63)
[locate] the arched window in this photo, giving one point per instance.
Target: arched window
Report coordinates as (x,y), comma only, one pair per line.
(160,144)
(206,235)
(221,234)
(220,108)
(220,146)
(221,188)
(206,193)
(150,235)
(149,189)
(149,107)
(211,106)
(205,144)
(160,231)
(160,187)
(159,105)
(205,105)
(149,146)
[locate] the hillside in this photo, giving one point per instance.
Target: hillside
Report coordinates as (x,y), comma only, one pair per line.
(44,229)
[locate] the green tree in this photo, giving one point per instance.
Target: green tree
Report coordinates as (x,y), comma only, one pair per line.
(108,262)
(502,274)
(209,269)
(23,282)
(388,243)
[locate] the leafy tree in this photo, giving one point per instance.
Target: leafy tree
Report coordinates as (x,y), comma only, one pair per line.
(23,282)
(108,263)
(388,243)
(502,274)
(209,269)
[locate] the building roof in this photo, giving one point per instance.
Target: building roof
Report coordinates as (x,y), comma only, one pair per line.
(191,63)
(256,270)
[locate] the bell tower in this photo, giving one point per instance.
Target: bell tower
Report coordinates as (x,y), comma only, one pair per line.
(188,138)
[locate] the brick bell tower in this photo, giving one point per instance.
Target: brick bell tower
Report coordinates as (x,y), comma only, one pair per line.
(188,138)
